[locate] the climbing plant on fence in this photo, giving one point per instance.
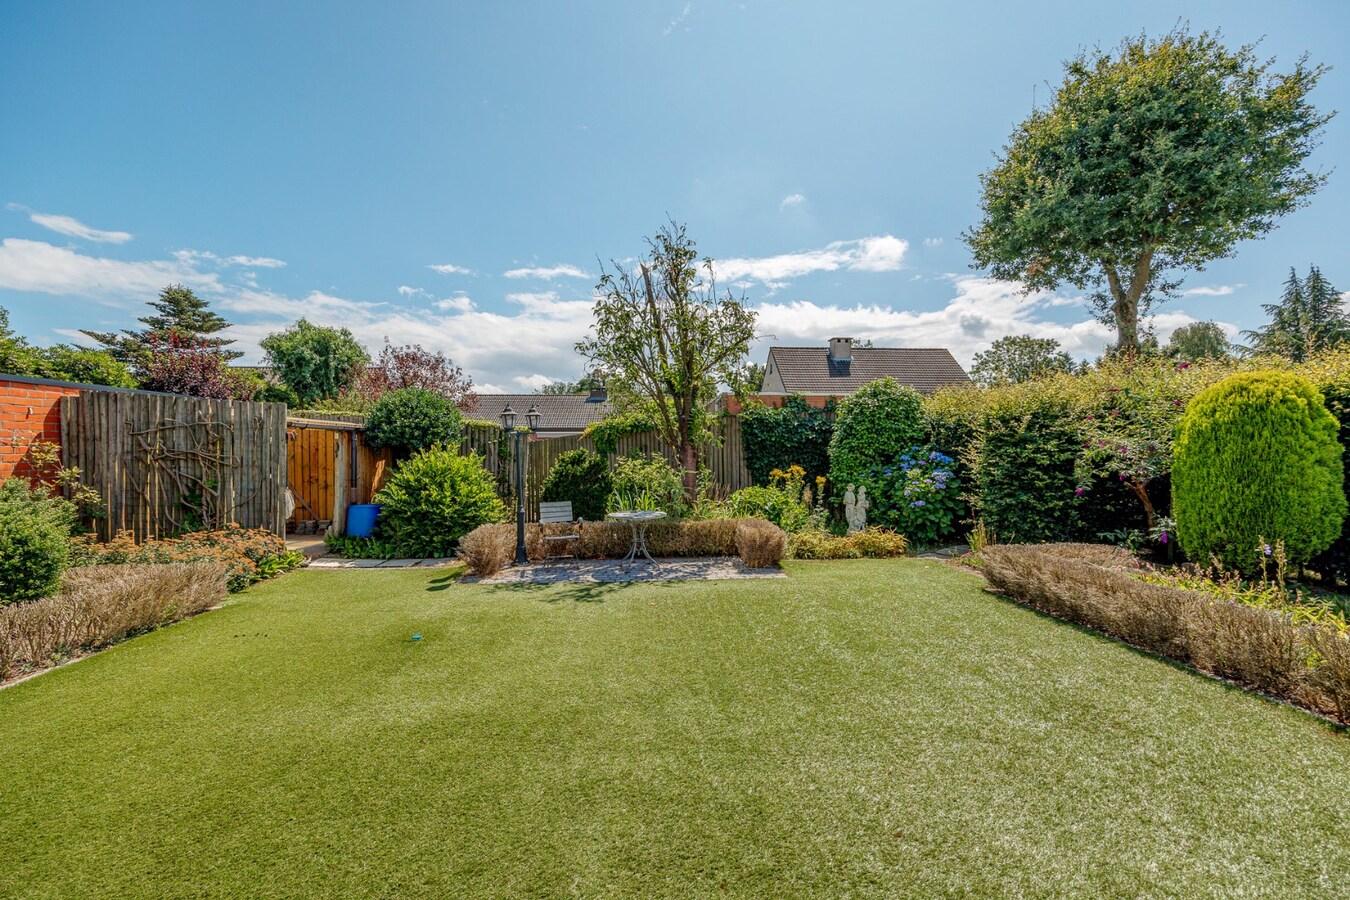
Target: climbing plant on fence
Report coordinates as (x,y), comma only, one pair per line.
(794,434)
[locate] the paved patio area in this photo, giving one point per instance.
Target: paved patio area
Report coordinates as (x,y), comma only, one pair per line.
(606,571)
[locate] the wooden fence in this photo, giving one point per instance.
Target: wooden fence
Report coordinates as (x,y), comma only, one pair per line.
(164,464)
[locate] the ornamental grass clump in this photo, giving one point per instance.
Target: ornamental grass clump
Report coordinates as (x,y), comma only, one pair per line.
(1102,587)
(760,544)
(1257,456)
(99,605)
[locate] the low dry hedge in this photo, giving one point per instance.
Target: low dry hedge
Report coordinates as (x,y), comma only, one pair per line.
(248,555)
(1092,585)
(99,605)
(870,543)
(489,548)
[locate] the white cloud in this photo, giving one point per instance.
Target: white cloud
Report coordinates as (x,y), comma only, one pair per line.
(450,269)
(47,269)
(460,302)
(547,273)
(678,20)
(72,227)
(409,291)
(790,201)
(260,262)
(884,253)
(932,242)
(1218,290)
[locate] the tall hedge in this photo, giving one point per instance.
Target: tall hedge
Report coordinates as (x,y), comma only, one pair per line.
(582,478)
(1025,471)
(793,434)
(874,426)
(1257,459)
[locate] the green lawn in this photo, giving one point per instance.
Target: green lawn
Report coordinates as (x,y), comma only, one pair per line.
(871,728)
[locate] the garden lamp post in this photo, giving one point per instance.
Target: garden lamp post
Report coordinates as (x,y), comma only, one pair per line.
(509,424)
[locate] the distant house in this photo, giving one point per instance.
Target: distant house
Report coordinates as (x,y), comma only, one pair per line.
(838,369)
(559,414)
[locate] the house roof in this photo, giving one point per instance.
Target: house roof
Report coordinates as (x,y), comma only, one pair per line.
(810,370)
(557,412)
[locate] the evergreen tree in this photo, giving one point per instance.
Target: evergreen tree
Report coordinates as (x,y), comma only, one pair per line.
(1309,317)
(178,312)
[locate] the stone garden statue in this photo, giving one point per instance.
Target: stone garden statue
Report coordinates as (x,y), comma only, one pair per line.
(855,509)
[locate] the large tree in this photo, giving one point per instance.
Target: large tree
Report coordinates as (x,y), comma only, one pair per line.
(1151,160)
(317,363)
(666,339)
(1309,317)
(1198,340)
(177,311)
(412,366)
(1017,358)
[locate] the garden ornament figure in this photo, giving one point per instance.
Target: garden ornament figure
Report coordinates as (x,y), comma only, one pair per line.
(855,509)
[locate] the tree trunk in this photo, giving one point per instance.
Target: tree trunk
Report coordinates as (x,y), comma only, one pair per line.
(1141,491)
(689,467)
(1125,301)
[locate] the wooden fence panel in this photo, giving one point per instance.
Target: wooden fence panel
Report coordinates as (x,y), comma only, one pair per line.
(163,464)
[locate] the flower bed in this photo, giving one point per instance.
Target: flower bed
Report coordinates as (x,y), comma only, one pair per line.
(248,555)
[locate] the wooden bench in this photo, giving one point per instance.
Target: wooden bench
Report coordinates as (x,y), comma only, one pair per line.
(559,513)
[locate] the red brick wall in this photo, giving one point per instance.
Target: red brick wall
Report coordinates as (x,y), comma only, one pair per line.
(27,412)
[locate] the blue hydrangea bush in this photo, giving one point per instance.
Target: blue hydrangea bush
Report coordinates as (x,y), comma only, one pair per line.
(917,495)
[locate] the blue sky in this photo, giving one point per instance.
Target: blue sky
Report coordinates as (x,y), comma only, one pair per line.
(449,173)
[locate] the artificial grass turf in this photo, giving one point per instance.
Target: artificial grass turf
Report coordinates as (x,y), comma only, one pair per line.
(863,727)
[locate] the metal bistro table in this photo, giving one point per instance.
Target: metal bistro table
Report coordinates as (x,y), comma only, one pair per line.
(638,520)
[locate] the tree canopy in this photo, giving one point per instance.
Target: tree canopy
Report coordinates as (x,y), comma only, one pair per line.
(177,311)
(1018,358)
(1309,317)
(666,339)
(1151,160)
(317,363)
(1198,340)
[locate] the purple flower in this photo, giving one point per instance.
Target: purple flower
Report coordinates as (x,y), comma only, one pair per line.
(1078,492)
(917,503)
(1162,538)
(1265,548)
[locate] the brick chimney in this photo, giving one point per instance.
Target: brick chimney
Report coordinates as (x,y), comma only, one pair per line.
(841,349)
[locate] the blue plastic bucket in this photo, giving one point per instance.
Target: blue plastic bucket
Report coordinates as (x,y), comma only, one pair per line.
(361,519)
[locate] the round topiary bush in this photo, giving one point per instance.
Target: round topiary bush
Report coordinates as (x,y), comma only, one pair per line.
(34,541)
(875,425)
(412,419)
(583,478)
(434,498)
(1257,461)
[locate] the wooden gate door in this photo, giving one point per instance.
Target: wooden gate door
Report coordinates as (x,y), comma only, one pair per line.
(312,457)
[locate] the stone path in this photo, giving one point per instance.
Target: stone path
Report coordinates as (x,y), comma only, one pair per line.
(951,552)
(608,571)
(337,562)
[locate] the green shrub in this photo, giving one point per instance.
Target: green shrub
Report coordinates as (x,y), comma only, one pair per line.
(795,434)
(413,419)
(647,482)
(1024,469)
(583,478)
(917,495)
(872,542)
(781,502)
(1257,460)
(434,498)
(874,426)
(35,533)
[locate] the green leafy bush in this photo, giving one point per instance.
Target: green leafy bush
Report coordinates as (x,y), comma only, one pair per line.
(434,498)
(781,502)
(917,495)
(582,478)
(647,482)
(35,533)
(873,427)
(413,419)
(1257,460)
(795,434)
(1026,488)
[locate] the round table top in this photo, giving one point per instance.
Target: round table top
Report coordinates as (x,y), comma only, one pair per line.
(637,515)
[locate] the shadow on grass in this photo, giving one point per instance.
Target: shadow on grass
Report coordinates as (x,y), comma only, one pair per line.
(441,582)
(565,592)
(1226,683)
